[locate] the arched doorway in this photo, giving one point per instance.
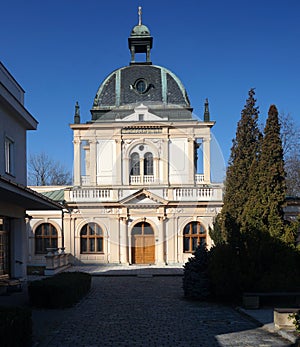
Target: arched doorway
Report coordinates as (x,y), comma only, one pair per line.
(143,244)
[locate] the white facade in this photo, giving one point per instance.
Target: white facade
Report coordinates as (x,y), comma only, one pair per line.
(106,192)
(139,195)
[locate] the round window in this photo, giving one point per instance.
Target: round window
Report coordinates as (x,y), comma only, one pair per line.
(141,147)
(141,86)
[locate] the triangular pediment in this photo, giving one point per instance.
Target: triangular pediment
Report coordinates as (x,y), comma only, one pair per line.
(141,113)
(143,197)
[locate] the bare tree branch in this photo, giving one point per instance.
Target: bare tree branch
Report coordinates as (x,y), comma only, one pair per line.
(45,171)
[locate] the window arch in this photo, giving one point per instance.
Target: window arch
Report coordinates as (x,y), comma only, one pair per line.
(194,234)
(45,237)
(148,163)
(135,164)
(91,238)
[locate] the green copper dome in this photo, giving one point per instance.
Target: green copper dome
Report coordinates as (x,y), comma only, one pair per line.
(140,30)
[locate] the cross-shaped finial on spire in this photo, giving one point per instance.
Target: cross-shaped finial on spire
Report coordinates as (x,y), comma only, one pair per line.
(140,15)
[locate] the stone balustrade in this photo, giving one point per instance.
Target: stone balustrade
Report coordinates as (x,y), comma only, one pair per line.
(56,261)
(199,178)
(141,179)
(198,193)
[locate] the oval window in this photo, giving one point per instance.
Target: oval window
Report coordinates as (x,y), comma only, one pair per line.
(141,86)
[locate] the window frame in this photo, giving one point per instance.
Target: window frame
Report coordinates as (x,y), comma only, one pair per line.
(148,164)
(135,167)
(198,236)
(47,240)
(9,148)
(91,235)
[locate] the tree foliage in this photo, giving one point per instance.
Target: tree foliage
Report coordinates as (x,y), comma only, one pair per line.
(263,210)
(45,171)
(244,151)
(256,186)
(196,284)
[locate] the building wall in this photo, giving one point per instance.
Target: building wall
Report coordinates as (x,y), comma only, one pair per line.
(117,232)
(14,122)
(11,129)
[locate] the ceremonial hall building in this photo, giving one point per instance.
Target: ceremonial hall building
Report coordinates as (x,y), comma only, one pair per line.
(142,190)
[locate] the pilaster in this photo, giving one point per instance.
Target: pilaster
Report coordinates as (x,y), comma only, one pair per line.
(191,164)
(118,164)
(206,159)
(93,162)
(77,162)
(123,240)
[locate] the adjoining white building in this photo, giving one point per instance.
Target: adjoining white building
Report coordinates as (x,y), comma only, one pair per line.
(15,197)
(138,196)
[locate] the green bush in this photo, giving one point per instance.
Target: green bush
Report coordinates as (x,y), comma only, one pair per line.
(15,327)
(196,284)
(60,291)
(257,262)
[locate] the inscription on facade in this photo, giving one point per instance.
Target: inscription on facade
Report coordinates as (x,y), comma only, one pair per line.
(142,130)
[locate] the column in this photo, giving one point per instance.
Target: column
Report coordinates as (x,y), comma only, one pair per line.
(141,169)
(125,172)
(161,241)
(77,162)
(156,170)
(165,157)
(191,161)
(118,164)
(206,159)
(93,162)
(123,244)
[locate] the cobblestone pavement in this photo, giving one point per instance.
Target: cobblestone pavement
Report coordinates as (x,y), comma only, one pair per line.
(150,311)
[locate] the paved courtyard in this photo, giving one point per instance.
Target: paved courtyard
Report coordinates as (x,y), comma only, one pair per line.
(146,311)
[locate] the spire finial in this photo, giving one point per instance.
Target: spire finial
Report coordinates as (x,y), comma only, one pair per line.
(140,15)
(206,111)
(77,113)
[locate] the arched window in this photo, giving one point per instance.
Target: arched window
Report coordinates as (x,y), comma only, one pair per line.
(45,237)
(91,238)
(135,164)
(148,164)
(194,235)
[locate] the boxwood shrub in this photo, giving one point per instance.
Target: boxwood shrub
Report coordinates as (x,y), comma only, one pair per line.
(15,326)
(60,291)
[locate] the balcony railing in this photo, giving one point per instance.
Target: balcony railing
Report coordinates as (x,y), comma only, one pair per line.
(93,194)
(198,194)
(141,179)
(137,179)
(211,193)
(199,178)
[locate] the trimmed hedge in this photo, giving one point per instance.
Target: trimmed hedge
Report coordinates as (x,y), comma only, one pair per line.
(15,327)
(60,291)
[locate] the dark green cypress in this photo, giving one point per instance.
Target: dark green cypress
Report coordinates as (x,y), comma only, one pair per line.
(244,152)
(264,210)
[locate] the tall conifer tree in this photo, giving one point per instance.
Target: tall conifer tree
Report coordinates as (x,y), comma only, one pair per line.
(244,152)
(264,210)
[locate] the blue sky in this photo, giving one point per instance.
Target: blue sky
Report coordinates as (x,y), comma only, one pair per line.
(61,50)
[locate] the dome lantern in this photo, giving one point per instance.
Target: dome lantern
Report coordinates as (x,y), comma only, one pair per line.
(140,41)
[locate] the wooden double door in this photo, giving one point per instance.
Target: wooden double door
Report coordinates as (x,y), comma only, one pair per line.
(143,244)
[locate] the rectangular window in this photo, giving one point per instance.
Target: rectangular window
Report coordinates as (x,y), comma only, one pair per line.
(9,156)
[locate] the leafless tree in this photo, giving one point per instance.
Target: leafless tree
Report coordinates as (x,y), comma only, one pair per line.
(42,170)
(290,136)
